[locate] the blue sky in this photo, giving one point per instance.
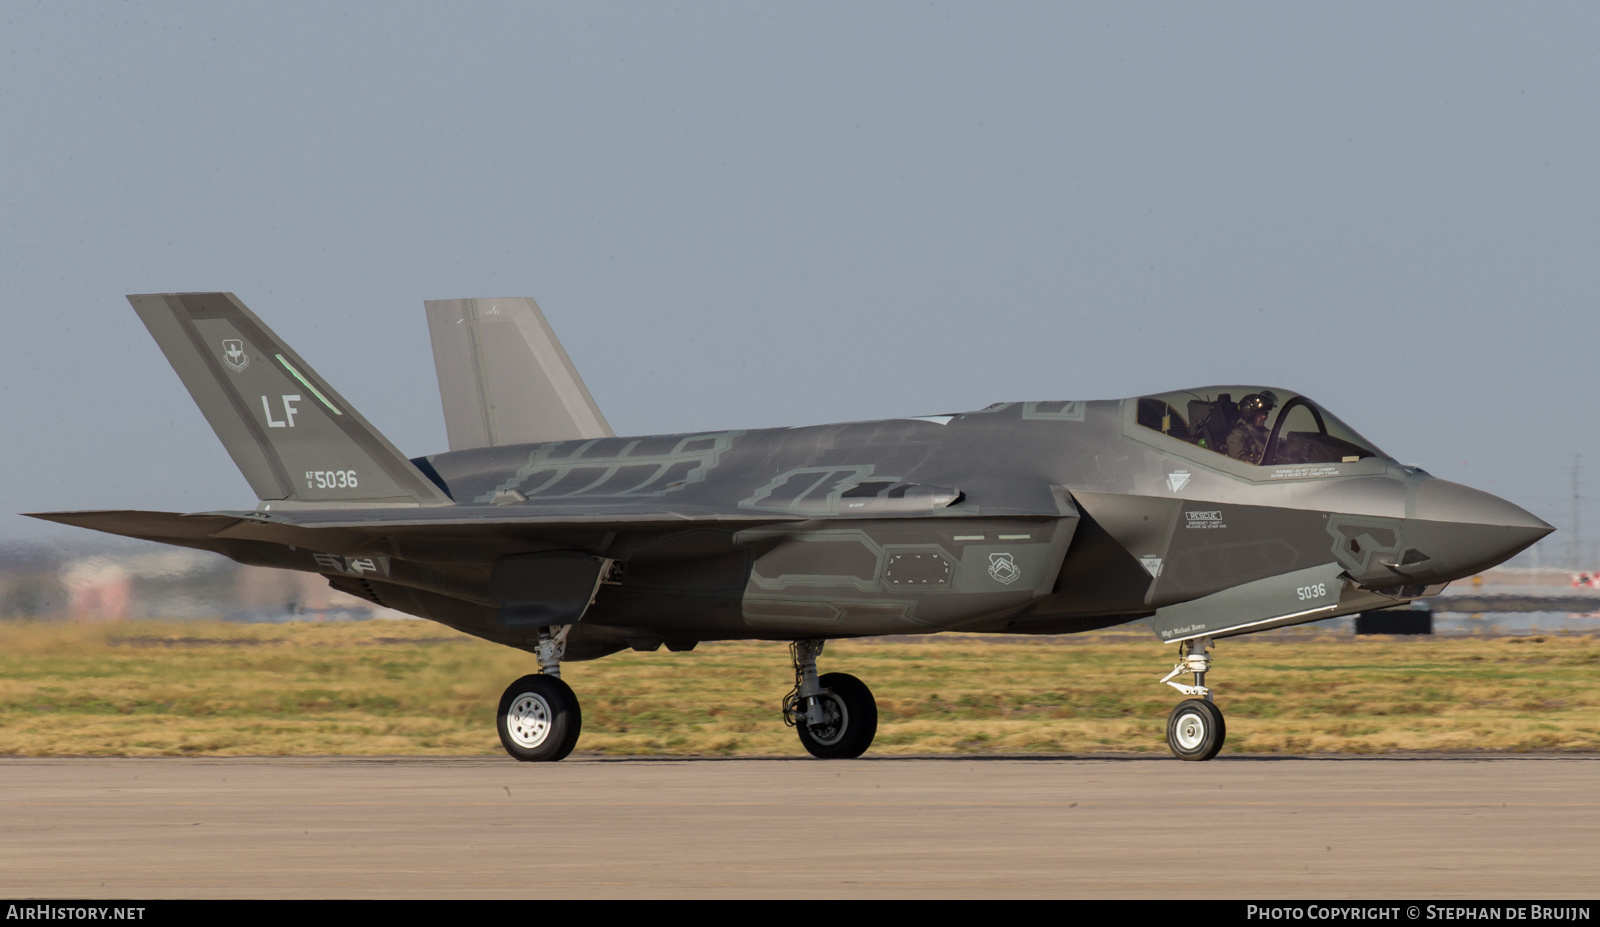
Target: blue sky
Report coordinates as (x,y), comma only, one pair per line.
(744,215)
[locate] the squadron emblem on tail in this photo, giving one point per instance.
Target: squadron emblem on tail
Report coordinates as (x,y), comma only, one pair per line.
(233,353)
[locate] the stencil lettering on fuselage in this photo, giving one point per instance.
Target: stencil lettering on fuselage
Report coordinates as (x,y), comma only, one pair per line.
(1203,520)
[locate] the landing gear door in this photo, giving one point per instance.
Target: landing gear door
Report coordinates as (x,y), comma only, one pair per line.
(545,589)
(1275,602)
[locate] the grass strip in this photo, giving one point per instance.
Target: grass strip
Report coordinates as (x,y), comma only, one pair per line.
(414,688)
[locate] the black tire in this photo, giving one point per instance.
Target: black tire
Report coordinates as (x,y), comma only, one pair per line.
(1195,730)
(539,719)
(853,719)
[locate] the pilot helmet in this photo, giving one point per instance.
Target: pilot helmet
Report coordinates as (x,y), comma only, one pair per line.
(1255,403)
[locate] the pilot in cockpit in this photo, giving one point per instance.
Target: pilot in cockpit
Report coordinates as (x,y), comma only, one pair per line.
(1248,440)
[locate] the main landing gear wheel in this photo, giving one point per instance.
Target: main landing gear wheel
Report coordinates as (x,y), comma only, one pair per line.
(850,719)
(539,719)
(1195,730)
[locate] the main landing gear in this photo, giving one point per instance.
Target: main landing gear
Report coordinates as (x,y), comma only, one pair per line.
(835,715)
(1195,729)
(539,717)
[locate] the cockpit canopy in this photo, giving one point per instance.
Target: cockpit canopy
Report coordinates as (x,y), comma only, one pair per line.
(1262,426)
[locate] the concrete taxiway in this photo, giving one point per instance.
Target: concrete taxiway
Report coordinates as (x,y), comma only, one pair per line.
(1247,828)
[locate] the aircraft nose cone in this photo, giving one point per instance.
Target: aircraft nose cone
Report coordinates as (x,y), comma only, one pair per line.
(1466,531)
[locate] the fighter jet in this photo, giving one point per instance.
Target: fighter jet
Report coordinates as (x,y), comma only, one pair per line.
(1206,513)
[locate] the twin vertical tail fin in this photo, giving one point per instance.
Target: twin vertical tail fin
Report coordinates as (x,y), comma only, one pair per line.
(291,434)
(504,378)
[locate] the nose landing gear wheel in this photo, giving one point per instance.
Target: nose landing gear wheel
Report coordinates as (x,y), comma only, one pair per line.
(539,719)
(1195,730)
(851,719)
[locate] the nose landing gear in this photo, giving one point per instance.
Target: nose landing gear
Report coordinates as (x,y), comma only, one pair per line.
(835,715)
(1195,729)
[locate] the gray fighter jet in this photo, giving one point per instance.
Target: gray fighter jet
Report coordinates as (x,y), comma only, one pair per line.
(1208,513)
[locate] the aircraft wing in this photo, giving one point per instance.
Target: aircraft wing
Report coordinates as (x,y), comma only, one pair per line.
(277,526)
(355,530)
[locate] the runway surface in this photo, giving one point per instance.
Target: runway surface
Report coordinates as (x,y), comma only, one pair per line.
(1247,828)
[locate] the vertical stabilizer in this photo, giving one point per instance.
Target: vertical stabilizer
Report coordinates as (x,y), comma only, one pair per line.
(504,378)
(294,438)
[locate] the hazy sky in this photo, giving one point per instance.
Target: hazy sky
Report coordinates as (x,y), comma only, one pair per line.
(745,214)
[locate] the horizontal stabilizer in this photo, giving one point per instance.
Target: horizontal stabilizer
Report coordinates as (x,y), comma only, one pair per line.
(222,532)
(292,435)
(504,377)
(150,526)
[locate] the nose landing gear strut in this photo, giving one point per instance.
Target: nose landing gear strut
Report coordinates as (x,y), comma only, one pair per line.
(1195,729)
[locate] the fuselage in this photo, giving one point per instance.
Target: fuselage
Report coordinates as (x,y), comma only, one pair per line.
(1028,517)
(1044,517)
